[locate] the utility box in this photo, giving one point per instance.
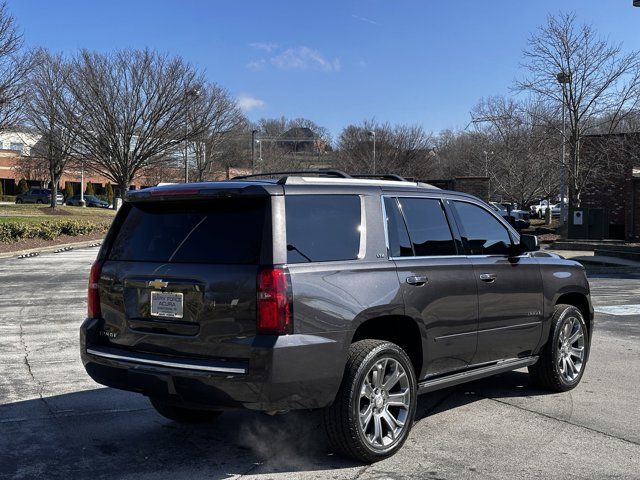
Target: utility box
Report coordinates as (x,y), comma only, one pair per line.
(588,223)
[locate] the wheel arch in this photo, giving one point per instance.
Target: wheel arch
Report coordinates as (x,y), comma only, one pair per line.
(399,329)
(582,303)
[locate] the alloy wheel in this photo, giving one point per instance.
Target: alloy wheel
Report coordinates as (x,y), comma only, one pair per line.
(384,401)
(571,349)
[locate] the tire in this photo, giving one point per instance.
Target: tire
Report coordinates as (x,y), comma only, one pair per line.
(39,201)
(342,419)
(19,201)
(181,414)
(562,361)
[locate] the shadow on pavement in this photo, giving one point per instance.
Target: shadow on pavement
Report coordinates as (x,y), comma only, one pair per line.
(106,433)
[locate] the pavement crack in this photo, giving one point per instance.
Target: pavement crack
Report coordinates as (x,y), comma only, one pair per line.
(563,421)
(28,365)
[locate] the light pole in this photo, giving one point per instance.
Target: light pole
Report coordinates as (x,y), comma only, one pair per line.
(563,79)
(259,151)
(253,150)
(190,93)
(372,134)
(82,204)
(486,162)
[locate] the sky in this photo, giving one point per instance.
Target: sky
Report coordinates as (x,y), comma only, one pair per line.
(336,62)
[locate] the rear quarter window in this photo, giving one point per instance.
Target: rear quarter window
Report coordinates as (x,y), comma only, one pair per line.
(228,231)
(322,228)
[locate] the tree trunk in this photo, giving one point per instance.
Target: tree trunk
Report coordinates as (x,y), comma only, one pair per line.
(123,186)
(54,188)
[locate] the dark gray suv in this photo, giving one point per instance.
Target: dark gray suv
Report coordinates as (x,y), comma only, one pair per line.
(325,292)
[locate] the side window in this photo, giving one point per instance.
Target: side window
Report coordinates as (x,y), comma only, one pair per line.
(428,227)
(482,233)
(399,243)
(322,228)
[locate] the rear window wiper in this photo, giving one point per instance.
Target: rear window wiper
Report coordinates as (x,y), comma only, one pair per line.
(292,248)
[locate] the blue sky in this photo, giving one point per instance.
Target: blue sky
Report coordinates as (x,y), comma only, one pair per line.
(335,62)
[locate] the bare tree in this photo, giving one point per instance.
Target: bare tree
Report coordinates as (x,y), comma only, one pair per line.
(601,82)
(209,148)
(129,110)
(31,168)
(48,97)
(14,67)
(403,149)
(517,151)
(286,144)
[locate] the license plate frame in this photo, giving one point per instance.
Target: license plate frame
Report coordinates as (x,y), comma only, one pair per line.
(167,304)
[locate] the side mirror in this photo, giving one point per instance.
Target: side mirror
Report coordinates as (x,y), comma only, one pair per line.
(529,243)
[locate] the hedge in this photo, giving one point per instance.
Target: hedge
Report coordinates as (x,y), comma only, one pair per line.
(14,230)
(8,198)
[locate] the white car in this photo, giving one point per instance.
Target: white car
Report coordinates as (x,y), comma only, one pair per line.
(537,210)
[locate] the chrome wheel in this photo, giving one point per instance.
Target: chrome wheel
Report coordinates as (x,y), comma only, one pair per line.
(571,349)
(385,398)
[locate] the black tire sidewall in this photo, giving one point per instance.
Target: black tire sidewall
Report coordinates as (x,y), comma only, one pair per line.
(385,350)
(554,351)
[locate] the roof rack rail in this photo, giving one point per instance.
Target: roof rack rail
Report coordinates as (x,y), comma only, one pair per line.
(383,176)
(284,174)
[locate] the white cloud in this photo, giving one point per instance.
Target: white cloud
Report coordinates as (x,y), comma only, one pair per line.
(256,64)
(366,20)
(265,46)
(248,102)
(304,58)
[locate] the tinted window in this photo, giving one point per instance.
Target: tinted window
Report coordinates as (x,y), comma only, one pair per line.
(482,233)
(322,228)
(428,228)
(399,243)
(216,231)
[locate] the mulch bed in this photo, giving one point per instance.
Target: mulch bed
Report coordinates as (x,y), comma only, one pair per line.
(29,243)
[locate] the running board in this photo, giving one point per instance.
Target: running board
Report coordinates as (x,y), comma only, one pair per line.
(475,374)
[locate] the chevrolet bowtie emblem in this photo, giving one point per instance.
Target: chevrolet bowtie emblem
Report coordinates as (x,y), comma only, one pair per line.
(157,283)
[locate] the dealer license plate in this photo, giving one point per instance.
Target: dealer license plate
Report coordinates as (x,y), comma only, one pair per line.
(166,304)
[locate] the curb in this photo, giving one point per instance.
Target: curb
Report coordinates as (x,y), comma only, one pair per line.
(52,248)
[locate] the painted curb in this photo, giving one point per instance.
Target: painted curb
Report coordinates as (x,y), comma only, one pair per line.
(51,249)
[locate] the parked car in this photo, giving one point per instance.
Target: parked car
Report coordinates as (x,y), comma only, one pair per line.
(556,209)
(90,201)
(537,210)
(38,195)
(518,218)
(348,295)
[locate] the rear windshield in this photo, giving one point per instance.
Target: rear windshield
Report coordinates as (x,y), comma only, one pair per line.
(222,231)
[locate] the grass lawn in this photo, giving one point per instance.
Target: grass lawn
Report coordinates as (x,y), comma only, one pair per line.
(29,226)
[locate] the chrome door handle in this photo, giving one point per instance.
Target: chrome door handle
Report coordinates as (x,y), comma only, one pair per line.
(417,280)
(488,277)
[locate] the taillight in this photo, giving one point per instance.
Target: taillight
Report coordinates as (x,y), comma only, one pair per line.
(274,306)
(93,296)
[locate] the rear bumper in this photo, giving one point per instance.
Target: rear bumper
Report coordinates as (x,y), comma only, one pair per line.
(282,373)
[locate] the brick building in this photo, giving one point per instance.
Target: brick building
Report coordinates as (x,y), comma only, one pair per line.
(16,163)
(615,185)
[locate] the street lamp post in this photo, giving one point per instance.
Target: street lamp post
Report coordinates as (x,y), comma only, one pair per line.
(486,162)
(372,134)
(82,204)
(253,150)
(563,79)
(259,151)
(193,93)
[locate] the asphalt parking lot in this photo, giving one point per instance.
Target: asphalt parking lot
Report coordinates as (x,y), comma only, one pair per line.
(55,422)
